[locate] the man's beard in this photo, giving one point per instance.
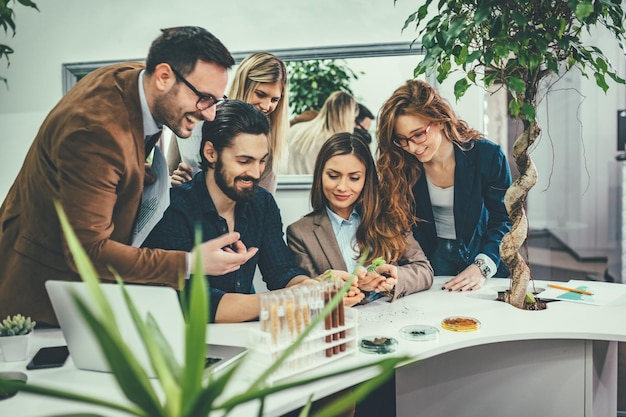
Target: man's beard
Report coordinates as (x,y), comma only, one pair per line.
(164,107)
(231,192)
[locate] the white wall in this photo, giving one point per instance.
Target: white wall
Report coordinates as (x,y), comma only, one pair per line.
(575,157)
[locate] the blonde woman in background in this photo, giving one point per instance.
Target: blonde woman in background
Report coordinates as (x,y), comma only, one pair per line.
(261,80)
(305,139)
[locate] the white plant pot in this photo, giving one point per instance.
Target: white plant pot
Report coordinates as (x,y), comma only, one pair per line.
(15,348)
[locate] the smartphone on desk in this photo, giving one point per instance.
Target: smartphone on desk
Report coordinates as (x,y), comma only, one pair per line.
(49,357)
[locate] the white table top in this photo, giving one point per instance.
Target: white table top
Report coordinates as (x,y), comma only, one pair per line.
(500,322)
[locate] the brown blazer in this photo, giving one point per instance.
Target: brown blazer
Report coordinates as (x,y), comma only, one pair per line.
(312,241)
(89,155)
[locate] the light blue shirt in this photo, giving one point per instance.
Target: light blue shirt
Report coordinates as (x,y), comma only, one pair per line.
(345,233)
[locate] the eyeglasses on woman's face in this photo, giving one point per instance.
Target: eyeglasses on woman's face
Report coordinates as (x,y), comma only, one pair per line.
(205,101)
(417,138)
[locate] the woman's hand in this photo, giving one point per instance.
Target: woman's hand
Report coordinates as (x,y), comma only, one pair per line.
(354,294)
(469,279)
(383,279)
(181,174)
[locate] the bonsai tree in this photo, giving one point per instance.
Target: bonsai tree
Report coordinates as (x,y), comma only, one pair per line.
(518,45)
(311,82)
(16,325)
(7,22)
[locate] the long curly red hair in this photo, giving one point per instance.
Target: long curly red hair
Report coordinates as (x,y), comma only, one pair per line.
(398,170)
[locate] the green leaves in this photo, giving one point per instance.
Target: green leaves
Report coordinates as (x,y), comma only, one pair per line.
(28,3)
(529,112)
(516,43)
(185,389)
(460,87)
(600,81)
(311,82)
(584,9)
(7,23)
(16,325)
(376,262)
(516,85)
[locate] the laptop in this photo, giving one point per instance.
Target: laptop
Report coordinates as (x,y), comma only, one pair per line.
(161,302)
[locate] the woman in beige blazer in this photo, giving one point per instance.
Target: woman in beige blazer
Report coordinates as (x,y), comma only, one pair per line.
(348,218)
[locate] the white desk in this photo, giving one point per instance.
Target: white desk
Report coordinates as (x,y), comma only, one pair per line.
(561,361)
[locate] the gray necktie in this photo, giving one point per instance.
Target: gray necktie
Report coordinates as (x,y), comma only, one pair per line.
(152,140)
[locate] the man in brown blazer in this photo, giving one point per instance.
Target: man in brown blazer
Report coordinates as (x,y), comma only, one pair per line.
(90,154)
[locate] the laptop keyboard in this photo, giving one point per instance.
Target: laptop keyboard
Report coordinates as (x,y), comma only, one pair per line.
(210,361)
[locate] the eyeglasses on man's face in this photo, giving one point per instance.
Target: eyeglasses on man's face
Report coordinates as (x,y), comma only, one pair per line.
(205,101)
(417,138)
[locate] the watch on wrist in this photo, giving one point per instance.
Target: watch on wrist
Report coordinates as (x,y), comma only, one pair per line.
(484,268)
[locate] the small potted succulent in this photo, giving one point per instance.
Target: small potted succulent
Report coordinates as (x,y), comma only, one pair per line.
(15,337)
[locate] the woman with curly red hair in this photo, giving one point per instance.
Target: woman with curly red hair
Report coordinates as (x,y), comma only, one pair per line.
(444,180)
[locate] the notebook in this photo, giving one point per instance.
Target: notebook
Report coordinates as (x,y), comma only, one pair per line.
(161,302)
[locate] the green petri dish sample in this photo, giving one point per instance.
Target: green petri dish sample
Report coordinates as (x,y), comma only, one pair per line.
(419,332)
(378,344)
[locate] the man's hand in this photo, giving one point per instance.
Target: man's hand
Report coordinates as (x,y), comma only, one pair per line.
(223,254)
(181,174)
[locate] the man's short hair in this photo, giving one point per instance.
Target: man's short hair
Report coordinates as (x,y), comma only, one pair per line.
(364,112)
(232,118)
(181,47)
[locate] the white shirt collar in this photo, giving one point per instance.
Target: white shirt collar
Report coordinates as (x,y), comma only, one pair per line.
(150,126)
(337,221)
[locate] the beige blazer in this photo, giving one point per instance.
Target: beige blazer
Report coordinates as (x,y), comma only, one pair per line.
(312,241)
(89,155)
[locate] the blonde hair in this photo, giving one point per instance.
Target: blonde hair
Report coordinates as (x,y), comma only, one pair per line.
(337,115)
(265,68)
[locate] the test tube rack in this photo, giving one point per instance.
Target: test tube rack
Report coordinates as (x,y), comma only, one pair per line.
(320,347)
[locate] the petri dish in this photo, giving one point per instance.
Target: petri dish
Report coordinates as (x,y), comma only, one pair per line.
(378,344)
(460,324)
(419,332)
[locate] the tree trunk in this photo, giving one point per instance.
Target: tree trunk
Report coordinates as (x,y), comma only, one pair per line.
(515,202)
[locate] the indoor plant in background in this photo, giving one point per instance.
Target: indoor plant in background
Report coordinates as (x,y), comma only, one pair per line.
(7,21)
(519,45)
(15,332)
(312,81)
(184,389)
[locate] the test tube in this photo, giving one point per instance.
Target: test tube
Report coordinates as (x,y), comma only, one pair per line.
(341,318)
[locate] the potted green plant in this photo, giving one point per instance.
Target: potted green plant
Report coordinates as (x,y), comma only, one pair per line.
(517,45)
(7,22)
(184,388)
(312,81)
(15,334)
